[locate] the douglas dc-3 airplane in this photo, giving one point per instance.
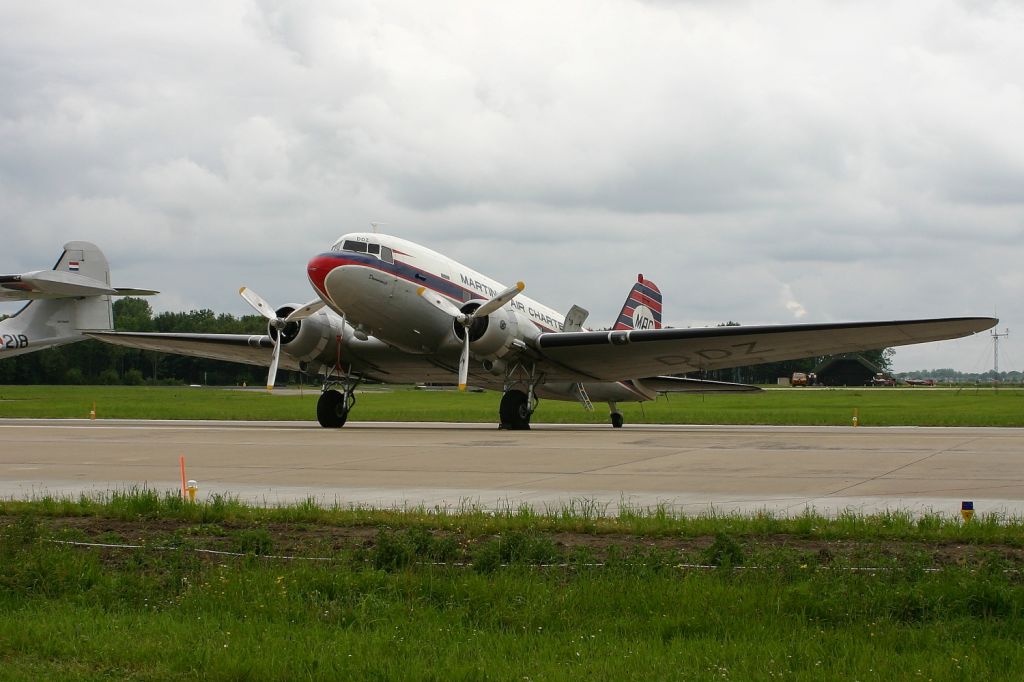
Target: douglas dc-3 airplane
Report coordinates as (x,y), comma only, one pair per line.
(62,302)
(393,311)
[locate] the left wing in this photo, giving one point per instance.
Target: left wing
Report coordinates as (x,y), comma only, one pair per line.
(249,349)
(619,355)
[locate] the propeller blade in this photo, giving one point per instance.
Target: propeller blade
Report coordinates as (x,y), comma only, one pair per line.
(499,300)
(464,363)
(272,376)
(305,311)
(261,306)
(441,303)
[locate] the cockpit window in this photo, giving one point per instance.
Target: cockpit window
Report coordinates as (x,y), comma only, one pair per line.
(382,252)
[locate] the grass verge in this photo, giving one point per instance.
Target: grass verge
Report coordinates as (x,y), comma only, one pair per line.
(515,595)
(876,407)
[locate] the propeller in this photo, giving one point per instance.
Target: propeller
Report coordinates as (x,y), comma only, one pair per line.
(278,323)
(467,319)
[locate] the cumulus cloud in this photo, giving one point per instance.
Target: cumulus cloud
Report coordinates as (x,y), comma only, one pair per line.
(866,156)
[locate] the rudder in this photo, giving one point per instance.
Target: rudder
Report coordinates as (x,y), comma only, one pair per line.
(85,258)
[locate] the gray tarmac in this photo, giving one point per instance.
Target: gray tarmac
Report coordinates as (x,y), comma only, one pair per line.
(690,469)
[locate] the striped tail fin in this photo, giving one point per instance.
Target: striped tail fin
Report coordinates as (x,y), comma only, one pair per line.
(642,309)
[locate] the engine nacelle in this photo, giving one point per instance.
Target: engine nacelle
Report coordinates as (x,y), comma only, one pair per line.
(310,339)
(493,337)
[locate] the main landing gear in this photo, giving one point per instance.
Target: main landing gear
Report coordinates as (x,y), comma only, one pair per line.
(515,411)
(333,406)
(517,405)
(616,416)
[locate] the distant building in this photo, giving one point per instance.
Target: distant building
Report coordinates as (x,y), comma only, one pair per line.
(848,369)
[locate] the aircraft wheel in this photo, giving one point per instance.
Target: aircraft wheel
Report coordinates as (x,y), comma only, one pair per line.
(331,410)
(617,420)
(514,411)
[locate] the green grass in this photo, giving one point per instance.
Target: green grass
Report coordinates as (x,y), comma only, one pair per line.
(507,601)
(876,407)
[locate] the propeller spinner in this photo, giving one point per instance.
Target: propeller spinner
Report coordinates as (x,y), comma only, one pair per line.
(467,319)
(278,323)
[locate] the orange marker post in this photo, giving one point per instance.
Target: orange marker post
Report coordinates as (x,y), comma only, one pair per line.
(184,492)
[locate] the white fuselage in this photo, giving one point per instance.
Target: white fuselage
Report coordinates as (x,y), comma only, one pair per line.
(378,294)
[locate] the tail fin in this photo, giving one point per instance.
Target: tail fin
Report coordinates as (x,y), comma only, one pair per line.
(642,309)
(84,258)
(60,302)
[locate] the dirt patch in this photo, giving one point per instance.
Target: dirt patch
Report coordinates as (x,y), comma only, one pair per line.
(317,540)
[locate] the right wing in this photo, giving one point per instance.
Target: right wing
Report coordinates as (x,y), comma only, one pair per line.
(688,385)
(620,355)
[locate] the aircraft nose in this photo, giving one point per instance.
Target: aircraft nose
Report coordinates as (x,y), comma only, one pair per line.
(317,270)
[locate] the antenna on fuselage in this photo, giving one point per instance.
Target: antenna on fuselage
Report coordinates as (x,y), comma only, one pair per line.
(375,226)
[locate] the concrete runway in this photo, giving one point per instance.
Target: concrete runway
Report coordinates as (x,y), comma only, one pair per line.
(687,468)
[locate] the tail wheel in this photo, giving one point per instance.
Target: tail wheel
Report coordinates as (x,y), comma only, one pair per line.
(514,411)
(332,409)
(617,420)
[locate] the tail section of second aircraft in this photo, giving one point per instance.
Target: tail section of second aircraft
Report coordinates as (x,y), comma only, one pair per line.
(642,309)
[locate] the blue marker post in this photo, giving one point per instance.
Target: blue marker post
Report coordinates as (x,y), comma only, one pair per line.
(967,510)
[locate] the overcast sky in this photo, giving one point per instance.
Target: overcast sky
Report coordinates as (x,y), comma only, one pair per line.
(762,162)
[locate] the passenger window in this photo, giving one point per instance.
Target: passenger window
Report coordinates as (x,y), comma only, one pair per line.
(374,249)
(386,255)
(358,247)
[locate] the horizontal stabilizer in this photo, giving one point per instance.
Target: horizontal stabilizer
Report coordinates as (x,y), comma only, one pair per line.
(43,284)
(686,385)
(574,319)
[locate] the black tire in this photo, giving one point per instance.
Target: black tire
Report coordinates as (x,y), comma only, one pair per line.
(617,420)
(331,410)
(514,411)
